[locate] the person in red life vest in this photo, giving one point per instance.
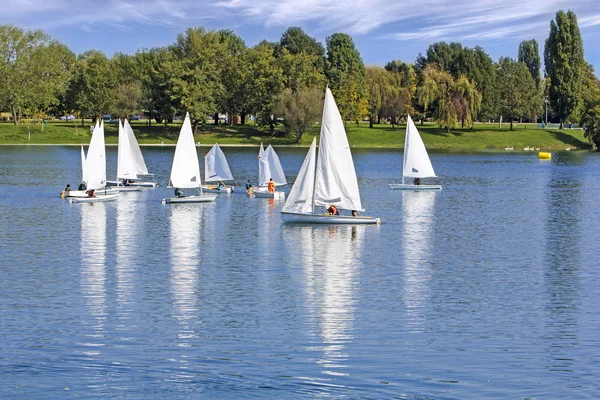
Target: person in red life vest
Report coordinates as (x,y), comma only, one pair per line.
(332,210)
(271,186)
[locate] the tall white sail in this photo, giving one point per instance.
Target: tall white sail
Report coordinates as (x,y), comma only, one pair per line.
(336,181)
(83,166)
(215,166)
(275,168)
(96,159)
(138,164)
(416,163)
(185,172)
(264,172)
(124,169)
(301,195)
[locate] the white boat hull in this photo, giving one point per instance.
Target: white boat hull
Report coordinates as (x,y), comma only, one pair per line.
(134,184)
(400,186)
(214,189)
(327,219)
(97,199)
(125,188)
(189,199)
(83,193)
(269,195)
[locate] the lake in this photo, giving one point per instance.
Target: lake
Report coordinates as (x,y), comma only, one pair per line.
(487,289)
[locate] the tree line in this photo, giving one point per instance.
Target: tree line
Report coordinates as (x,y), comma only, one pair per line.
(281,84)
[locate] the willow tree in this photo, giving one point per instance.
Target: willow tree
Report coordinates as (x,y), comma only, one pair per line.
(451,99)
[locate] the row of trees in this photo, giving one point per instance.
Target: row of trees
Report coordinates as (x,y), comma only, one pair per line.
(209,72)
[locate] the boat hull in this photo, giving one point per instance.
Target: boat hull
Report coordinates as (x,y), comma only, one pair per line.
(133,184)
(400,186)
(125,188)
(83,193)
(97,199)
(189,199)
(214,189)
(269,195)
(327,219)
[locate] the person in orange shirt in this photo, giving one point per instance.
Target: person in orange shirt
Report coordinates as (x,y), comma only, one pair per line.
(271,186)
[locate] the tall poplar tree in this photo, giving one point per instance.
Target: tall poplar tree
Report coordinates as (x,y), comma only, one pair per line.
(563,58)
(529,54)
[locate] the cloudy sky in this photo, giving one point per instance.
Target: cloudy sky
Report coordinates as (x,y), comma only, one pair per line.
(382,29)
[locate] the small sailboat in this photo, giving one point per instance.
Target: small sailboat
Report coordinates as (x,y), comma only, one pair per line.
(216,169)
(269,168)
(185,172)
(95,170)
(416,163)
(327,180)
(130,165)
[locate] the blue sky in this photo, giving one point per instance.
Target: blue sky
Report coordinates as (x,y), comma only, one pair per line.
(383,30)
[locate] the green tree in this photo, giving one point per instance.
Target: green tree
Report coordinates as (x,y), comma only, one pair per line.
(262,83)
(517,93)
(299,109)
(230,100)
(195,73)
(155,77)
(300,70)
(91,89)
(529,54)
(379,84)
(590,113)
(345,72)
(34,70)
(563,58)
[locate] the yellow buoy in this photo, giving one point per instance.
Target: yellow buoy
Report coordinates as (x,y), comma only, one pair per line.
(543,155)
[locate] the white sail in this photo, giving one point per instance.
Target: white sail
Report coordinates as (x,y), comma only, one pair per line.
(124,169)
(264,172)
(275,168)
(416,163)
(336,181)
(301,195)
(83,166)
(215,166)
(138,164)
(185,172)
(96,159)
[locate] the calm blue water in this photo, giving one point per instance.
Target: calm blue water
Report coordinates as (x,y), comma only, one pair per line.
(487,289)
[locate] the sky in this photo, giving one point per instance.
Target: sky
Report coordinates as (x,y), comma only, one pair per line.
(383,30)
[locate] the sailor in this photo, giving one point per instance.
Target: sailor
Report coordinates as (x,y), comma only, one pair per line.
(68,188)
(248,184)
(178,193)
(332,210)
(271,186)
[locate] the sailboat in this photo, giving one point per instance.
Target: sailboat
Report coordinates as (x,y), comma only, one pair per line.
(416,163)
(185,172)
(328,180)
(269,167)
(95,169)
(217,169)
(130,164)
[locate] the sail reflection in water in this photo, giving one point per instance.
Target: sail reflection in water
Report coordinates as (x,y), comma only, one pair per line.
(185,225)
(93,266)
(418,212)
(128,228)
(331,259)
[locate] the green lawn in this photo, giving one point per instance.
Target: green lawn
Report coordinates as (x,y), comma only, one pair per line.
(484,136)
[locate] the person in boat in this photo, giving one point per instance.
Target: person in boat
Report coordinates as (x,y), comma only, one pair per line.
(124,182)
(417,181)
(68,188)
(354,213)
(248,185)
(81,186)
(271,186)
(178,193)
(332,210)
(91,193)
(220,185)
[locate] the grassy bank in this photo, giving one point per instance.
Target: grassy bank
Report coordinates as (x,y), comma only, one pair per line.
(484,136)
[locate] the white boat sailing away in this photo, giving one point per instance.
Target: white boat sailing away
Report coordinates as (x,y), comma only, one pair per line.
(416,163)
(329,180)
(130,165)
(269,168)
(216,169)
(185,172)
